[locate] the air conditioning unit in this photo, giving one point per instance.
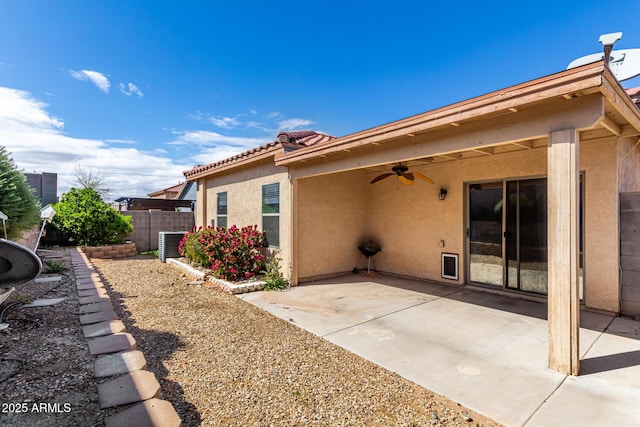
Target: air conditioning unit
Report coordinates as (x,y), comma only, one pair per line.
(168,242)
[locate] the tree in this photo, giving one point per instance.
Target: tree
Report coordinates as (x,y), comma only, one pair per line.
(17,199)
(88,220)
(86,177)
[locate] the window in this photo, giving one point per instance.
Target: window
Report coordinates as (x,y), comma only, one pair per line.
(221,209)
(271,213)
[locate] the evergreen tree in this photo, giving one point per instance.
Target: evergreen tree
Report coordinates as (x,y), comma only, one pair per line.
(17,199)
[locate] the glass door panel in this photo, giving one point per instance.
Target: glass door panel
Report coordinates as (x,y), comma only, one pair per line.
(526,235)
(485,234)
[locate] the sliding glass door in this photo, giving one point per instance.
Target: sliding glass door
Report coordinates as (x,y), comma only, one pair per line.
(507,234)
(486,263)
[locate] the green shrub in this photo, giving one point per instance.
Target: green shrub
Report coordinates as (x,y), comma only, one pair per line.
(88,220)
(231,253)
(273,279)
(54,267)
(17,199)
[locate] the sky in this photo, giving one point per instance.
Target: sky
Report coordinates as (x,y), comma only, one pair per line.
(140,91)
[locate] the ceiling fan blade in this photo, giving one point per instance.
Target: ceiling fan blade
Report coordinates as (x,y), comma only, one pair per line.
(405,180)
(424,178)
(407,175)
(381,177)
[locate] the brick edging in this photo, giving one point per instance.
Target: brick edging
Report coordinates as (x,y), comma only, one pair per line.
(115,355)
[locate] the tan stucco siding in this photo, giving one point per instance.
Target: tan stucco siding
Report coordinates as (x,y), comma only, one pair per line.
(244,198)
(410,223)
(332,219)
(601,251)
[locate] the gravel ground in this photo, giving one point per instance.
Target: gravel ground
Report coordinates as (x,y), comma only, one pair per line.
(220,360)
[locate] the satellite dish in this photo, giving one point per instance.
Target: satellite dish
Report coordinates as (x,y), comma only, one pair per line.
(18,264)
(625,63)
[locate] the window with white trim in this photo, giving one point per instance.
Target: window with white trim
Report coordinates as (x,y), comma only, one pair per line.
(221,209)
(271,213)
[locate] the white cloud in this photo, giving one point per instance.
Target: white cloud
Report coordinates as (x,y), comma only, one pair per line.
(273,115)
(214,146)
(36,143)
(120,141)
(130,89)
(225,122)
(293,124)
(98,79)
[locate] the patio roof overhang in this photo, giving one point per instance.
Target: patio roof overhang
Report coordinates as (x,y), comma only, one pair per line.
(521,117)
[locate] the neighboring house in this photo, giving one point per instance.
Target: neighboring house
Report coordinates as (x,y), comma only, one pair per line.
(249,189)
(145,204)
(534,176)
(167,193)
(45,186)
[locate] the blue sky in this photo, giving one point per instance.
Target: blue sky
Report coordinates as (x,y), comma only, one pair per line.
(142,90)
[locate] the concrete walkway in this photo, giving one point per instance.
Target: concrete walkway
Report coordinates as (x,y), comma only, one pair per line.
(486,352)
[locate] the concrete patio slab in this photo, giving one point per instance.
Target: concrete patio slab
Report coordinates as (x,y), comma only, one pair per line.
(485,351)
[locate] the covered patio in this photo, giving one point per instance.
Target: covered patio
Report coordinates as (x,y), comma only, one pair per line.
(572,135)
(488,352)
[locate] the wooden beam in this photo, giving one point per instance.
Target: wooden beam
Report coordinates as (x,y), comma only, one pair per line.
(524,144)
(563,180)
(610,125)
(485,151)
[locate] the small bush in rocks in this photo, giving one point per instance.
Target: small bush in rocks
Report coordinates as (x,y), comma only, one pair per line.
(231,253)
(273,279)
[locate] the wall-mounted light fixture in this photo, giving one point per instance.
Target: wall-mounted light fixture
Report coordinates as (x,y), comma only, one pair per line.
(442,194)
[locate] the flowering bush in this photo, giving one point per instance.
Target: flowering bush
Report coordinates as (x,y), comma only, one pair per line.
(231,253)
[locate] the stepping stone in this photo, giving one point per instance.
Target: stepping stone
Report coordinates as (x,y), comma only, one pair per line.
(101,316)
(119,364)
(112,344)
(151,413)
(89,286)
(44,302)
(134,387)
(92,276)
(98,292)
(93,299)
(103,328)
(94,308)
(48,279)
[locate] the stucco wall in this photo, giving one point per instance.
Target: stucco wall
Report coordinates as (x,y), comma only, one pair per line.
(331,223)
(410,222)
(244,197)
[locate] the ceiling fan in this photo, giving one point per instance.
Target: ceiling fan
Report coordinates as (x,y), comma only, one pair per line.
(405,177)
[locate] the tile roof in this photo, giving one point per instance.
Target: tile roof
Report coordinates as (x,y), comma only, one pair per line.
(634,94)
(287,141)
(173,189)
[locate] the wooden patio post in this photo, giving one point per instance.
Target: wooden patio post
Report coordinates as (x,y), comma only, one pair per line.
(563,181)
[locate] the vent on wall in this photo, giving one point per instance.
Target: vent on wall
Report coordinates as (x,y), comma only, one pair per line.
(168,242)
